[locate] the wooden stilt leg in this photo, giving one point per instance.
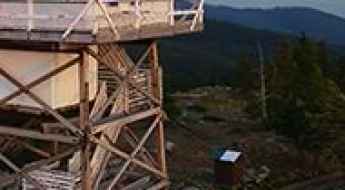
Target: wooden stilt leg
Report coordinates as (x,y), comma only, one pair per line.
(84,118)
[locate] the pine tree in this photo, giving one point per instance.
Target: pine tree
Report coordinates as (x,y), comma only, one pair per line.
(303,100)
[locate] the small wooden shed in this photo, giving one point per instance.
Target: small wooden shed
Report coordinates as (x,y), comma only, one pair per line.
(60,91)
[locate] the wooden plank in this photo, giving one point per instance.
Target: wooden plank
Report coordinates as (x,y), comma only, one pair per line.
(109,19)
(20,172)
(32,148)
(101,155)
(100,100)
(37,135)
(126,156)
(123,120)
(161,153)
(77,19)
(132,139)
(135,152)
(104,35)
(36,165)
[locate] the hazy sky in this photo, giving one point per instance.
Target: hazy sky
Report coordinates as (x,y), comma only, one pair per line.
(332,6)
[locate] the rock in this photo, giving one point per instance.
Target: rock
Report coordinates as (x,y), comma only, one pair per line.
(263,176)
(170,146)
(265,169)
(246,179)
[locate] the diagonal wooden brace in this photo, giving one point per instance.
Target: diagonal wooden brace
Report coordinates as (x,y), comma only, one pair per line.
(122,83)
(37,165)
(83,12)
(39,80)
(126,156)
(78,18)
(37,99)
(135,152)
(15,168)
(120,77)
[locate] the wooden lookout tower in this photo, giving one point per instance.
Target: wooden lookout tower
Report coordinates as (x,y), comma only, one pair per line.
(81,92)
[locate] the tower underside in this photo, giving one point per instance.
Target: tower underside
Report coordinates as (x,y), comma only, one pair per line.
(115,141)
(112,140)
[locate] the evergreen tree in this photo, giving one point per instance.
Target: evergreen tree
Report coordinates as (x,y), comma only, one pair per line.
(303,101)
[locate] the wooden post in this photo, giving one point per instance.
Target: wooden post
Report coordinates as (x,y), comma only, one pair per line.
(154,66)
(172,12)
(84,118)
(30,7)
(161,152)
(201,11)
(157,92)
(138,13)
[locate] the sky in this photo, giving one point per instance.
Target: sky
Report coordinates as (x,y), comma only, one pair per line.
(336,7)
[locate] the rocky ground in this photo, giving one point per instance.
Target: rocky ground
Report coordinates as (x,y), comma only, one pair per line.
(211,118)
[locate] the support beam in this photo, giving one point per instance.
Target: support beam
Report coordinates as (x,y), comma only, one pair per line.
(126,156)
(29,147)
(25,133)
(120,77)
(161,148)
(20,172)
(135,152)
(37,165)
(117,120)
(84,119)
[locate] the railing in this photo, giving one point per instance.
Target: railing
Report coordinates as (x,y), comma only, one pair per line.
(81,15)
(196,11)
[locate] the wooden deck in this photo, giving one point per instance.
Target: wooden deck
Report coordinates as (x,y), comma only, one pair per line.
(130,33)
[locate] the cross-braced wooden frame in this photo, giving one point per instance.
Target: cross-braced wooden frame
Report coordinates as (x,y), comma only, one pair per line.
(104,133)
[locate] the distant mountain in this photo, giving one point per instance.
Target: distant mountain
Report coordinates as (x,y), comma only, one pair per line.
(294,20)
(209,58)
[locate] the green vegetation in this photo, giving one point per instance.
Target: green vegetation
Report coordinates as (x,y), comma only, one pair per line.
(304,103)
(305,86)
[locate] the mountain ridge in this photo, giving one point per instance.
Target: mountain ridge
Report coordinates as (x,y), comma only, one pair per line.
(293,20)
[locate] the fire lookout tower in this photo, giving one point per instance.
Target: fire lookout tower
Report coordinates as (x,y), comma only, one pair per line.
(81,92)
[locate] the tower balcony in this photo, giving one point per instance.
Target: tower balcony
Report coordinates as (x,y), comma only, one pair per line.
(97,21)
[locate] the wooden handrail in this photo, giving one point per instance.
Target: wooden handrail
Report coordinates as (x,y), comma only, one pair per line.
(197,10)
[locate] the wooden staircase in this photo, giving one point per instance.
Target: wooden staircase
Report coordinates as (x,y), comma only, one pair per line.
(142,78)
(138,101)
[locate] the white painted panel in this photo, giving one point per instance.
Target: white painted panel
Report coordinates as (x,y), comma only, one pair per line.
(60,91)
(67,83)
(26,67)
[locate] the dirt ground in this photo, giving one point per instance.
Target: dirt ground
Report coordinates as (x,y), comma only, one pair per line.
(208,123)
